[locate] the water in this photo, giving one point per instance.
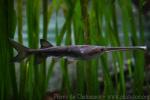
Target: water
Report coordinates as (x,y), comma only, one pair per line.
(56,79)
(51,28)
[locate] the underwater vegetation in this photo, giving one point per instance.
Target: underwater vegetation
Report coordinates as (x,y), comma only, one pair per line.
(108,23)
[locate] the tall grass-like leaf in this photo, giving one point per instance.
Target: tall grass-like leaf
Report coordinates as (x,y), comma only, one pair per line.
(100,39)
(139,68)
(45,18)
(70,4)
(66,86)
(32,23)
(33,12)
(86,31)
(80,74)
(108,86)
(138,76)
(22,66)
(140,20)
(68,16)
(126,19)
(8,85)
(20,20)
(78,37)
(45,33)
(114,40)
(85,19)
(55,5)
(89,78)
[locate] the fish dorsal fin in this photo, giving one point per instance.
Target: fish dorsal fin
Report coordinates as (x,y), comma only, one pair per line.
(45,44)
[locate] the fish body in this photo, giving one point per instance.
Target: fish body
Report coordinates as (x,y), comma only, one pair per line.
(84,52)
(77,51)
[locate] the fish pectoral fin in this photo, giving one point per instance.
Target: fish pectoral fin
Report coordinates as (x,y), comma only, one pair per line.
(45,44)
(71,60)
(39,58)
(56,59)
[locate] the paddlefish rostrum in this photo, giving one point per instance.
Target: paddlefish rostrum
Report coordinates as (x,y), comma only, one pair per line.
(81,52)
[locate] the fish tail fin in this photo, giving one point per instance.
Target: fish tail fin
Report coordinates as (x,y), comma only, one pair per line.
(23,51)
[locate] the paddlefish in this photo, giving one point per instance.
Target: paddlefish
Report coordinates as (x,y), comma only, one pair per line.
(81,52)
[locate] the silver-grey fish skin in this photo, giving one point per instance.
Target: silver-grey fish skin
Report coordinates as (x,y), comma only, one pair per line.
(77,52)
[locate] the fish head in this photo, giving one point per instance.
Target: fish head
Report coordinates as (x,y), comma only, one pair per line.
(89,52)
